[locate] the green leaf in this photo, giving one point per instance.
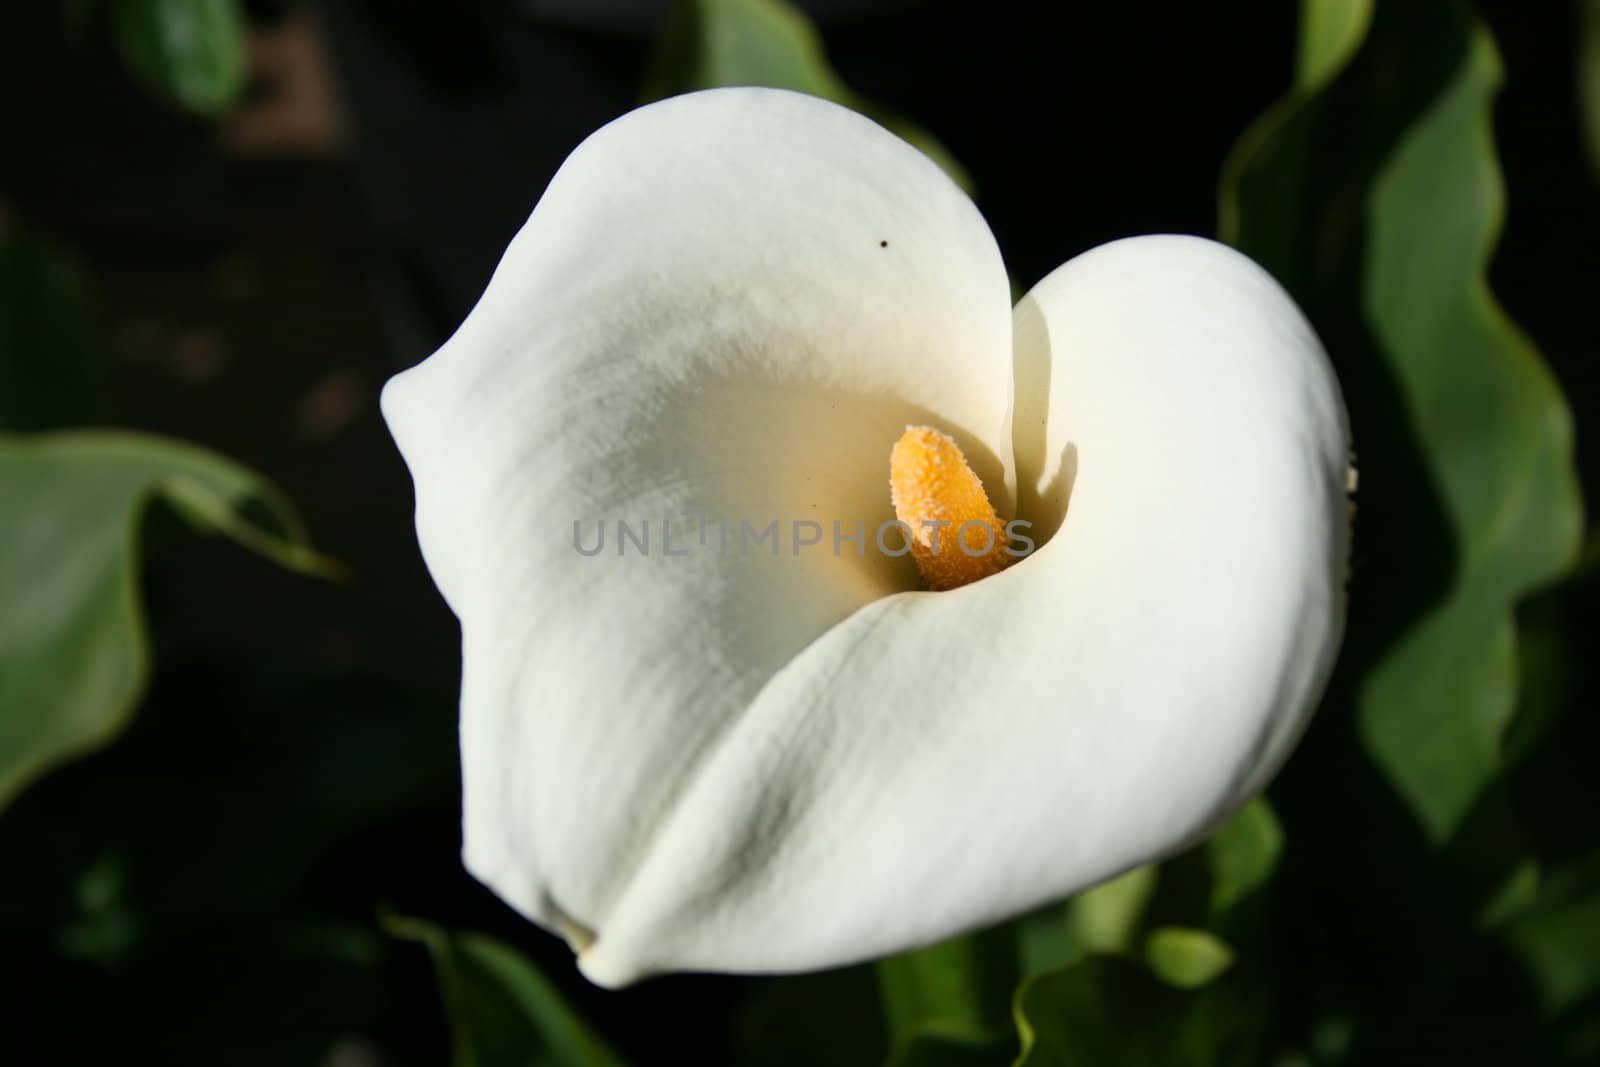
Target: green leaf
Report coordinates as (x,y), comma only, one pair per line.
(192,52)
(49,373)
(1375,197)
(1106,918)
(1512,897)
(1495,424)
(1330,33)
(1046,939)
(73,656)
(1243,853)
(707,44)
(1185,958)
(1555,659)
(1557,939)
(1549,909)
(958,990)
(503,1012)
(1104,1010)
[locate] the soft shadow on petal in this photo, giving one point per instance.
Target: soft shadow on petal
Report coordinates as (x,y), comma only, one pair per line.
(727,304)
(938,762)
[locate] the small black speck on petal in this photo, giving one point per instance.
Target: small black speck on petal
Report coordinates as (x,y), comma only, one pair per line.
(883,244)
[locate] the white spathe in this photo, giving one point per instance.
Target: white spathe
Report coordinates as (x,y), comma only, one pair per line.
(732,303)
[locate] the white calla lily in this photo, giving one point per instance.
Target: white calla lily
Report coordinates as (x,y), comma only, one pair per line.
(731,304)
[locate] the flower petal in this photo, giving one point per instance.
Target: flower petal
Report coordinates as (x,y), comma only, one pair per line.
(729,303)
(941,761)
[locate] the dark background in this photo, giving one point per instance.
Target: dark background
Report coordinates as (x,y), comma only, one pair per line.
(254,295)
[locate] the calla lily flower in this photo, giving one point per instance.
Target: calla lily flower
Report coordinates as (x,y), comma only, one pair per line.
(685,754)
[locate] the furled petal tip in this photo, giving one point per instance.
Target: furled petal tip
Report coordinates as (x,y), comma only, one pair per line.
(711,719)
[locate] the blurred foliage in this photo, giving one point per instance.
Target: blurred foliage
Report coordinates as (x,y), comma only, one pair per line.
(218,881)
(1550,915)
(74,663)
(777,1022)
(1106,918)
(191,52)
(1187,959)
(956,994)
(1103,1010)
(1330,32)
(503,1012)
(205,889)
(1373,194)
(1243,852)
(707,44)
(1147,940)
(1376,200)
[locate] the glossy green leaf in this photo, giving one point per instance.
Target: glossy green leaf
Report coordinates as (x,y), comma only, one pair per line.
(707,44)
(1185,958)
(73,656)
(1376,198)
(503,1012)
(192,52)
(49,373)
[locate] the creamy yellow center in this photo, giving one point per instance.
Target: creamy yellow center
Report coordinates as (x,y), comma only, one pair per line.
(956,537)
